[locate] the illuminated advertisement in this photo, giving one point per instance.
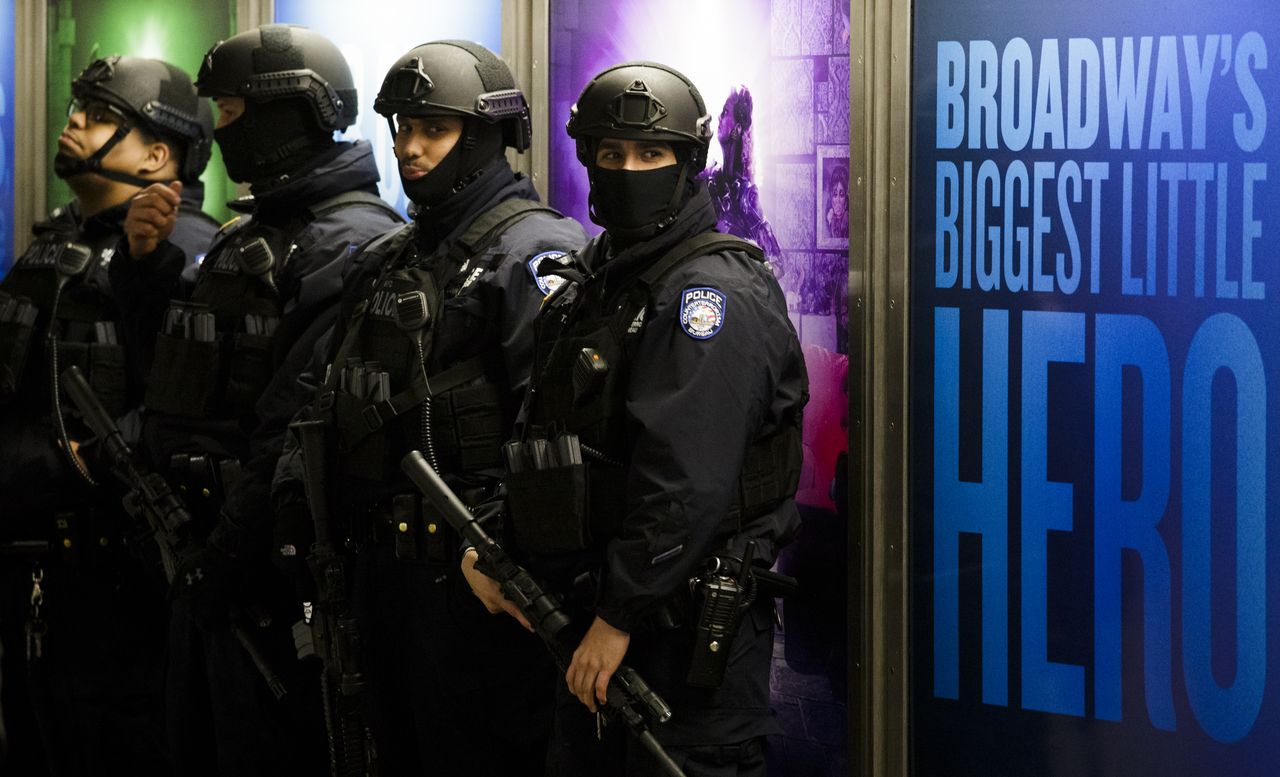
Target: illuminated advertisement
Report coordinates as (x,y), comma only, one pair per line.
(775,78)
(176,31)
(373,37)
(6,134)
(1091,351)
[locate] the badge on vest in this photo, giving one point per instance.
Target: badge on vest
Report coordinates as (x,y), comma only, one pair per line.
(702,312)
(548,283)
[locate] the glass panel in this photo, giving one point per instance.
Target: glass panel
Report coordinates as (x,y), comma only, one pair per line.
(775,77)
(177,31)
(6,134)
(373,38)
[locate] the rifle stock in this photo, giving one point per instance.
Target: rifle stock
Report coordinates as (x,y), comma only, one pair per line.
(629,697)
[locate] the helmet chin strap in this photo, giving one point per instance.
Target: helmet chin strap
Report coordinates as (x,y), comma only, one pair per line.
(68,167)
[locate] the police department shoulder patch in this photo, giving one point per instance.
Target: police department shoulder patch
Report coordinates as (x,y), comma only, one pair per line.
(547,283)
(702,311)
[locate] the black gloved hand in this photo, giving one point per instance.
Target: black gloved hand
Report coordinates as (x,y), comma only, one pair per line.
(211,582)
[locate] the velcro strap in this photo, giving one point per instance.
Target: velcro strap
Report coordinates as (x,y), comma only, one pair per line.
(698,245)
(487,224)
(348,199)
(378,413)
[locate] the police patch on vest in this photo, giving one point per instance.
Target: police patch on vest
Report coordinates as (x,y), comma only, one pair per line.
(548,283)
(702,312)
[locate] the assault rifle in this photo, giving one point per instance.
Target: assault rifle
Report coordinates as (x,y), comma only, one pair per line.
(152,503)
(334,627)
(629,697)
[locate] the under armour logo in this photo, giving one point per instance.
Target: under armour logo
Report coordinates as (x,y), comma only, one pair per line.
(198,575)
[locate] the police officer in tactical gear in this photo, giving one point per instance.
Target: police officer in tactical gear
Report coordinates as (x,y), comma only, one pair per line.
(669,385)
(432,351)
(83,620)
(220,390)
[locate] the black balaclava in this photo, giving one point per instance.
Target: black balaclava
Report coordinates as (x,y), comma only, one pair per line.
(477,146)
(638,204)
(269,139)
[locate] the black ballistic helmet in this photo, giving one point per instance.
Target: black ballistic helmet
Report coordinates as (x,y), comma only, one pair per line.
(279,61)
(152,95)
(641,101)
(456,78)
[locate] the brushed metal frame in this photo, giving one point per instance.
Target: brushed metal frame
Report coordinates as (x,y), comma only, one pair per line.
(879,285)
(254,13)
(525,46)
(30,101)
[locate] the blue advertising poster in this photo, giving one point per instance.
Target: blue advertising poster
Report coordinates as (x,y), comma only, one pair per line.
(1094,381)
(373,36)
(6,134)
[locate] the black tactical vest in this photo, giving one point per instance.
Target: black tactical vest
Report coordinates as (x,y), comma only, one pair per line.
(215,353)
(84,324)
(376,392)
(569,397)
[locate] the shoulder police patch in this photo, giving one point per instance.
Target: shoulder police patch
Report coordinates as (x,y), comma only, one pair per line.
(547,283)
(702,312)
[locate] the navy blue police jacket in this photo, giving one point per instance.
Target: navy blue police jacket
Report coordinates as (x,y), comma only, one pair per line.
(309,282)
(491,315)
(33,476)
(698,390)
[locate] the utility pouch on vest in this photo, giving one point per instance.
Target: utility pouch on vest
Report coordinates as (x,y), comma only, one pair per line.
(363,454)
(17,327)
(404,526)
(439,545)
(103,363)
(184,377)
(248,372)
(548,509)
(475,416)
(416,535)
(107,376)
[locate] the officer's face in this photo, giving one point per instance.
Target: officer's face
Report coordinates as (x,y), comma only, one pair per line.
(229,109)
(91,124)
(422,141)
(620,154)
